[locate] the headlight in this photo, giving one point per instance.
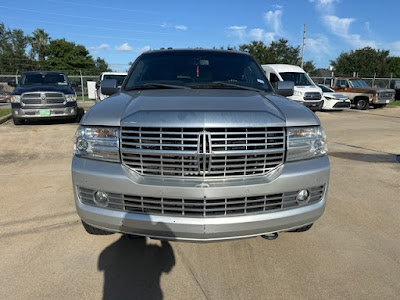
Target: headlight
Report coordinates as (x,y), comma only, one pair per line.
(297,93)
(70,97)
(97,143)
(328,98)
(305,142)
(15,98)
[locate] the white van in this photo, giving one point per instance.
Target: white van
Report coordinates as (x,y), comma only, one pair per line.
(305,90)
(120,77)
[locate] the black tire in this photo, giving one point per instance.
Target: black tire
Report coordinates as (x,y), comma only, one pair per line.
(362,104)
(18,121)
(379,105)
(95,231)
(302,229)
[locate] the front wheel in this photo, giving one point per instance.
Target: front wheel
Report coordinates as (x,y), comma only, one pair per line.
(362,104)
(379,105)
(302,229)
(18,121)
(95,231)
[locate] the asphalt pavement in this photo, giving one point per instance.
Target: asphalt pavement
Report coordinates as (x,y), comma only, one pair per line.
(352,252)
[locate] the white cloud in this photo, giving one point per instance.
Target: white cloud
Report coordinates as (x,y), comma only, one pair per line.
(124,47)
(96,49)
(273,21)
(327,6)
(341,28)
(177,27)
(180,27)
(145,48)
(394,48)
(318,47)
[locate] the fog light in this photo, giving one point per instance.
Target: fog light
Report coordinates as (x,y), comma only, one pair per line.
(302,196)
(101,198)
(81,144)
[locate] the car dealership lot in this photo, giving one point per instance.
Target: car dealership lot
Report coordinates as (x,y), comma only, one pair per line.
(353,251)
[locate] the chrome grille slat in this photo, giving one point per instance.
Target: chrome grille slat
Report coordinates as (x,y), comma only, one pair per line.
(35,98)
(202,152)
(203,207)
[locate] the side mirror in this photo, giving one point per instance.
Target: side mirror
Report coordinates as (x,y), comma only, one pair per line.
(109,87)
(285,88)
(12,83)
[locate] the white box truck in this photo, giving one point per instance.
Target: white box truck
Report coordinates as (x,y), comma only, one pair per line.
(305,90)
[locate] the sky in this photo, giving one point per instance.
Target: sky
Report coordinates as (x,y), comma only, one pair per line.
(119,31)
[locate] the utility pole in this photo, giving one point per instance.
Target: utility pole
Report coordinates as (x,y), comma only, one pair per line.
(304,43)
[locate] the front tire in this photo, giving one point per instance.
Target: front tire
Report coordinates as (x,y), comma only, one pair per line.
(95,231)
(379,105)
(18,121)
(302,229)
(362,104)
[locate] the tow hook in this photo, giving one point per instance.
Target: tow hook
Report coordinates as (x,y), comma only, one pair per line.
(270,236)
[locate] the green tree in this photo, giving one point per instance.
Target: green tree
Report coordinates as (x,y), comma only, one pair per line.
(69,57)
(13,57)
(278,52)
(310,68)
(101,65)
(366,62)
(394,66)
(39,41)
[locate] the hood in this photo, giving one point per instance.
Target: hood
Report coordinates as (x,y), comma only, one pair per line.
(43,88)
(197,108)
(371,90)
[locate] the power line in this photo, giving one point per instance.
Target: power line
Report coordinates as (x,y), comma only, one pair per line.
(95,27)
(107,7)
(79,17)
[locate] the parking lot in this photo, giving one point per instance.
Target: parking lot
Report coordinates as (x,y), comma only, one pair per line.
(352,252)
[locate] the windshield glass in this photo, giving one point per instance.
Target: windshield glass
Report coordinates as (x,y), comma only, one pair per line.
(325,89)
(299,79)
(358,83)
(44,78)
(197,69)
(119,78)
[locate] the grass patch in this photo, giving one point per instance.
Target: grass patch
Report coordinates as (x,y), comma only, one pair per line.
(395,103)
(4,112)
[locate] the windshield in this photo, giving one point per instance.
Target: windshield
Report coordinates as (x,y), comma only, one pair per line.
(197,69)
(299,79)
(119,78)
(325,89)
(358,83)
(44,78)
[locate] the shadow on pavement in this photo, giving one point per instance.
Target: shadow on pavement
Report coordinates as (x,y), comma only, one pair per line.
(385,158)
(132,268)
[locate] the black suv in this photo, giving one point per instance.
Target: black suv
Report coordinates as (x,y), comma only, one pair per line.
(43,94)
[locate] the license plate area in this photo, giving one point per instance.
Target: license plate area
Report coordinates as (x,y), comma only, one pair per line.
(44,112)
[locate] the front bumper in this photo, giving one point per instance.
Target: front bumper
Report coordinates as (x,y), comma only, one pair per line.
(382,101)
(336,104)
(115,178)
(68,111)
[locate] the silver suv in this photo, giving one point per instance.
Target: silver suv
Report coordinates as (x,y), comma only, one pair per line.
(197,146)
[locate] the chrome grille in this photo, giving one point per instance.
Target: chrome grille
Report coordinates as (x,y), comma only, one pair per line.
(42,98)
(203,207)
(312,96)
(207,152)
(31,98)
(385,96)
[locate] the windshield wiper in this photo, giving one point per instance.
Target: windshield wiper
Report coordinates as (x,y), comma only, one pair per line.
(156,86)
(232,85)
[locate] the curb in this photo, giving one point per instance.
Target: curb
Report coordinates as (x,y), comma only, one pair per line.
(5,118)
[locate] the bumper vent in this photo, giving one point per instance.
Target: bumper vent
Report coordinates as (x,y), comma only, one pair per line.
(202,207)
